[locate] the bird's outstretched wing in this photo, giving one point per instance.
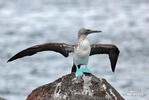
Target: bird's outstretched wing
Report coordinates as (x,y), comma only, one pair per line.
(61,48)
(110,49)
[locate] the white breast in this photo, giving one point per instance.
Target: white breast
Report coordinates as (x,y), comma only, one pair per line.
(83,48)
(81,53)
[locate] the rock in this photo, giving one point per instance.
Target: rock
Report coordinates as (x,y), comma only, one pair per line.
(86,87)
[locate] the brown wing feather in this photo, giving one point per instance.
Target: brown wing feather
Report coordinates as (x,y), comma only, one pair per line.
(110,49)
(61,48)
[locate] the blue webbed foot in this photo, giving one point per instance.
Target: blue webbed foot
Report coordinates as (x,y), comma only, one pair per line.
(79,72)
(86,70)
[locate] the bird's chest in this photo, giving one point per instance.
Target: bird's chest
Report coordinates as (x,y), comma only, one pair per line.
(83,49)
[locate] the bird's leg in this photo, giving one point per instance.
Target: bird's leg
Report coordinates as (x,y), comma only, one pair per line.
(79,72)
(86,70)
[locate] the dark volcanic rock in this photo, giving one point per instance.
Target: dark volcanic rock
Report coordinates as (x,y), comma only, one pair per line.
(86,87)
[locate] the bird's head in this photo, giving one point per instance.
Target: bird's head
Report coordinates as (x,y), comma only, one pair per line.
(83,32)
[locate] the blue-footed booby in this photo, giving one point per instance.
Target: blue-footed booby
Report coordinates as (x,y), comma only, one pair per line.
(81,51)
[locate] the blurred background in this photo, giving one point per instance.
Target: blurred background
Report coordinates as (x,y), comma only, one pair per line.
(24,23)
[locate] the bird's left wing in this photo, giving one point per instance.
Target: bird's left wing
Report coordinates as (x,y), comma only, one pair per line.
(61,48)
(109,49)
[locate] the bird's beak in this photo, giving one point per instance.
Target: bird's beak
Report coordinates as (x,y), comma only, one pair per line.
(95,31)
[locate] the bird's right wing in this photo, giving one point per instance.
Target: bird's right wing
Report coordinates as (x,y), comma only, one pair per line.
(61,48)
(109,49)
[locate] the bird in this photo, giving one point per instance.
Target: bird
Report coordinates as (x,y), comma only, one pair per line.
(81,51)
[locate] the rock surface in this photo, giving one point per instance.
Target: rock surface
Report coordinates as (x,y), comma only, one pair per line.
(86,87)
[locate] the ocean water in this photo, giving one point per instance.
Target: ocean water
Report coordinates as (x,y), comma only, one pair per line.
(24,23)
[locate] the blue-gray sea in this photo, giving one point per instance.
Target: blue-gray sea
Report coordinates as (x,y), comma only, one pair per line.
(24,23)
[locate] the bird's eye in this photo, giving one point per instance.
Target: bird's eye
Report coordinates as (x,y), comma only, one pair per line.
(87,30)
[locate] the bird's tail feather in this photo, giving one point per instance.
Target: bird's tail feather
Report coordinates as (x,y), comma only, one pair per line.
(74,68)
